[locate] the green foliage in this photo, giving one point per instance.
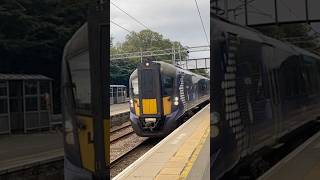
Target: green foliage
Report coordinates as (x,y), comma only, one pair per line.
(145,40)
(33,34)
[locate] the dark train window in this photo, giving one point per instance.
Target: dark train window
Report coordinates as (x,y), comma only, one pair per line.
(310,74)
(167,85)
(292,81)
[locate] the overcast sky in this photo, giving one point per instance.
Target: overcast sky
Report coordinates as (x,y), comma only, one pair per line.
(177,20)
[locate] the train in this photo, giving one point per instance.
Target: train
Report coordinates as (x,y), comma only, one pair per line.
(262,90)
(160,94)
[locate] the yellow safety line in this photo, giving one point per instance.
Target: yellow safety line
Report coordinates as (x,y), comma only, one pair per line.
(184,174)
(196,142)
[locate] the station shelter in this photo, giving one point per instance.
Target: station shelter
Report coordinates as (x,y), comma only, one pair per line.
(25,102)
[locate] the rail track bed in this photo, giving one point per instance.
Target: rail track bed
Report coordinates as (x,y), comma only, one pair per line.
(119,164)
(126,147)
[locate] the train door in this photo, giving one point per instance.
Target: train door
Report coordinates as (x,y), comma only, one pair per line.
(273,88)
(85,98)
(150,88)
(254,94)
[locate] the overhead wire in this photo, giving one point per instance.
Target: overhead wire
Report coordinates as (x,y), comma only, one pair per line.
(120,26)
(204,30)
(135,19)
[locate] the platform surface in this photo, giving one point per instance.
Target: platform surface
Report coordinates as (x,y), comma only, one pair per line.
(184,154)
(23,149)
(302,164)
(119,108)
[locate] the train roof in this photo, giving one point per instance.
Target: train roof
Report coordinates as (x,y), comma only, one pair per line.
(252,34)
(168,66)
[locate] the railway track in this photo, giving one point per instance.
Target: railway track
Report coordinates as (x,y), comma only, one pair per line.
(123,126)
(125,160)
(120,133)
(124,155)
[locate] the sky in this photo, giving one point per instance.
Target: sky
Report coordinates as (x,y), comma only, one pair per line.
(177,20)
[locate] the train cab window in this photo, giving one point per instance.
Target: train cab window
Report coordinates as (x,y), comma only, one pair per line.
(310,74)
(167,85)
(80,73)
(147,82)
(135,86)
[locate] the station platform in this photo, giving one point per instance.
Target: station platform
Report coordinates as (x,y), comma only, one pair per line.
(301,164)
(24,150)
(20,151)
(119,108)
(181,155)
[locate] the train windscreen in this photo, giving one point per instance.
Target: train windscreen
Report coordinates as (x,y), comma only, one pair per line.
(135,86)
(147,83)
(80,73)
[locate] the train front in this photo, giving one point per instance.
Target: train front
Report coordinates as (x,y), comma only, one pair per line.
(154,100)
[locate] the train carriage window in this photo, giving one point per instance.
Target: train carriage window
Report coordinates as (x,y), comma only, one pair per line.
(167,85)
(80,73)
(310,74)
(292,77)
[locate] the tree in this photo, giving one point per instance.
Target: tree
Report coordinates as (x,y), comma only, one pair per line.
(145,40)
(33,34)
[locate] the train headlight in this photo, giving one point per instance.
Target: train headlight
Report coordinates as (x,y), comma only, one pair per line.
(176,101)
(147,64)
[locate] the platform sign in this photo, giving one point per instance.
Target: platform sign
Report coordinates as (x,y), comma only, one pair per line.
(260,12)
